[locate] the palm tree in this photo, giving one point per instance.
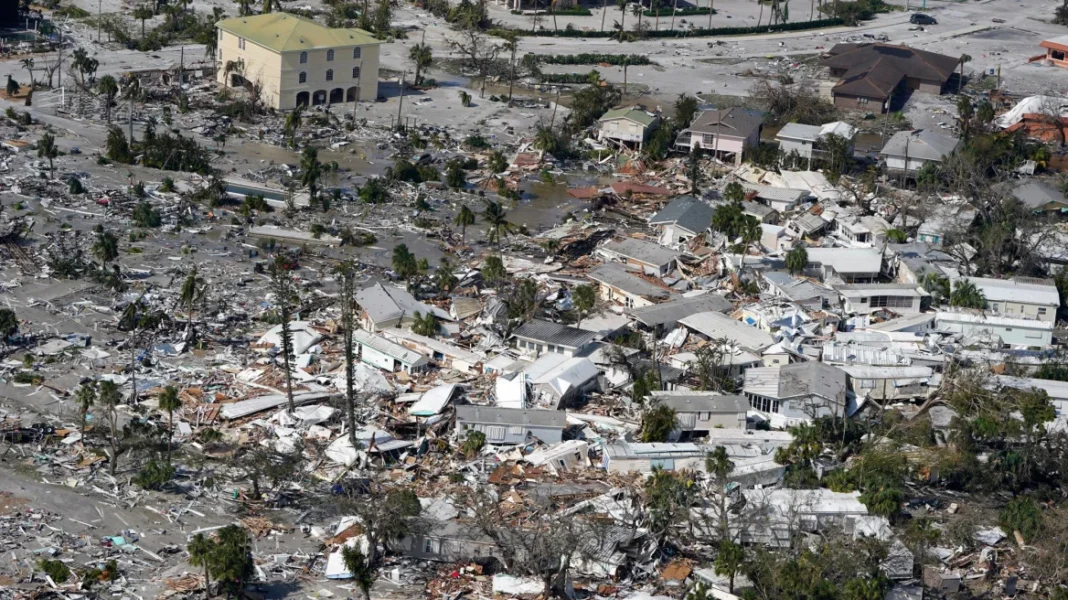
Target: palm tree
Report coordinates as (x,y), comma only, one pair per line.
(729,560)
(106,246)
(496,218)
(193,289)
(796,260)
(310,171)
(109,88)
(294,120)
(967,295)
(143,13)
(638,11)
(232,66)
(463,219)
(86,399)
(46,148)
(511,45)
(622,6)
(751,232)
(169,401)
(27,63)
(445,277)
(422,57)
(267,6)
(200,549)
(936,285)
(346,272)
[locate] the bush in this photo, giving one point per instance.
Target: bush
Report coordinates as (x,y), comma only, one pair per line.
(575,11)
(146,216)
(675,33)
(154,475)
(56,569)
(593,59)
(1023,515)
(590,77)
(682,12)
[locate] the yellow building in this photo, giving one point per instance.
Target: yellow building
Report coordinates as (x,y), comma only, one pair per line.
(298,61)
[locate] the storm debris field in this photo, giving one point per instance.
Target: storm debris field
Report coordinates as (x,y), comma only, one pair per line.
(533,300)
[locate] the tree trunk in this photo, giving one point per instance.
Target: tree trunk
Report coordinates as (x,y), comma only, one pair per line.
(256,488)
(604,11)
(511,77)
(674,9)
(710,13)
(207,582)
(170,437)
(761,15)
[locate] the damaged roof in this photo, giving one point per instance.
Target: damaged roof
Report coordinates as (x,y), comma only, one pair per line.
(492,415)
(553,333)
(674,310)
(618,276)
(688,212)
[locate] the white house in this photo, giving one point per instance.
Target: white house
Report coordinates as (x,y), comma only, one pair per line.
(866,298)
(974,328)
(1024,297)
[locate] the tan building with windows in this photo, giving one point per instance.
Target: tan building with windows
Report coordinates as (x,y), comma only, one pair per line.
(298,61)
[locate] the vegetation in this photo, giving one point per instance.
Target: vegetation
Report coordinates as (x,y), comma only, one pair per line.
(593,59)
(678,33)
(658,422)
(797,260)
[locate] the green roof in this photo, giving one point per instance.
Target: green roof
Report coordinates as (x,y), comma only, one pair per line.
(634,114)
(284,32)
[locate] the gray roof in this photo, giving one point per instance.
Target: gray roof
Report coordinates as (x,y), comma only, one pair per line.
(686,401)
(779,194)
(493,415)
(801,379)
(734,122)
(389,348)
(554,333)
(716,325)
(671,312)
(618,276)
(641,251)
(1035,194)
(847,260)
(1025,290)
(757,209)
(383,303)
(922,144)
(808,223)
(687,212)
(797,131)
(797,290)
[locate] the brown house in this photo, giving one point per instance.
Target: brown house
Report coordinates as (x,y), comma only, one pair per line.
(870,75)
(1056,51)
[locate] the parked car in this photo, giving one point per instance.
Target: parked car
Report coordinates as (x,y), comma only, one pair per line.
(922,19)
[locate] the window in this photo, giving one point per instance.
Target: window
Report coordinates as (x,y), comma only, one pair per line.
(1056,54)
(303,58)
(891,302)
(356,53)
(863,300)
(862,100)
(1008,310)
(1041,311)
(329,55)
(994,307)
(302,78)
(495,433)
(355,72)
(241,43)
(707,140)
(867,384)
(428,546)
(329,74)
(517,430)
(705,416)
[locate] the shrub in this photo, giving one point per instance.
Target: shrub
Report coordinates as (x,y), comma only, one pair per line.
(154,475)
(146,216)
(682,12)
(593,59)
(1023,515)
(676,33)
(56,569)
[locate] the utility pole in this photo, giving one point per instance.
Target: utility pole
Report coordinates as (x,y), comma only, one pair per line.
(674,9)
(553,119)
(400,104)
(181,68)
(99,17)
(129,119)
(604,11)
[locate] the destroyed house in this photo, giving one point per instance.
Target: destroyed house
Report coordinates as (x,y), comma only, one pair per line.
(779,199)
(389,306)
(869,76)
(511,426)
(631,457)
(1041,197)
(777,515)
(717,326)
(448,541)
(537,337)
(804,293)
(851,265)
(666,314)
(441,352)
(796,393)
(648,257)
(619,285)
(387,355)
(894,383)
(698,412)
(683,219)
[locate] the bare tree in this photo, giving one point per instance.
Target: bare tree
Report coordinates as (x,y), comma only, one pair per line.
(478,52)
